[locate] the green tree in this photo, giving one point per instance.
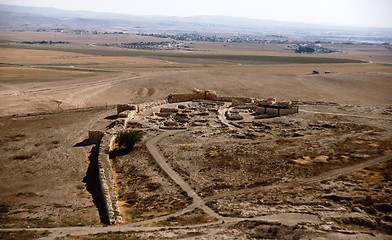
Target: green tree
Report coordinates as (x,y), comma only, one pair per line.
(126,140)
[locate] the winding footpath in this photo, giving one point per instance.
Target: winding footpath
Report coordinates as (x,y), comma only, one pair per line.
(346,115)
(198,202)
(319,178)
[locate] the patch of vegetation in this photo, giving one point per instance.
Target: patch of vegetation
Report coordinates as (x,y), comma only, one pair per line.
(4,208)
(270,230)
(45,233)
(23,156)
(206,56)
(126,140)
(152,186)
(235,214)
(74,69)
(111,235)
(197,216)
(8,64)
(304,49)
(25,234)
(131,197)
(17,137)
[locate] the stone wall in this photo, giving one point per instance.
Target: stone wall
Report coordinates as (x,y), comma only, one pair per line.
(236,100)
(145,106)
(194,96)
(106,182)
(124,107)
(95,137)
(275,111)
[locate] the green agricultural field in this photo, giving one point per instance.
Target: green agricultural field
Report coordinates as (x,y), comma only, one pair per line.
(189,56)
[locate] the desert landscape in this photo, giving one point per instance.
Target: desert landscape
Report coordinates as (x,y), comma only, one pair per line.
(240,140)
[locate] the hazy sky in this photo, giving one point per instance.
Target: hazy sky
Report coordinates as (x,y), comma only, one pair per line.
(341,12)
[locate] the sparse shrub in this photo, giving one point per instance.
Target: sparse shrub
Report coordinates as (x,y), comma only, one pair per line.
(131,197)
(23,156)
(45,233)
(126,140)
(152,186)
(171,219)
(4,208)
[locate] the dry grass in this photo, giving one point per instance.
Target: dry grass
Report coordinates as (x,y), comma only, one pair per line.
(48,189)
(50,170)
(27,235)
(14,56)
(73,38)
(197,216)
(35,80)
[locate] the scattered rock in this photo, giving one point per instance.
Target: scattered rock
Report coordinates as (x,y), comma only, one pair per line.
(367,201)
(388,218)
(383,207)
(360,221)
(306,160)
(321,159)
(335,197)
(357,209)
(297,134)
(328,125)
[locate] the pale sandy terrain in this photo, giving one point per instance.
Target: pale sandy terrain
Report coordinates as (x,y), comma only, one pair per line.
(38,190)
(38,159)
(37,80)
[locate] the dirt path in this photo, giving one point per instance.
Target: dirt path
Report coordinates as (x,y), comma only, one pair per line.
(345,115)
(197,200)
(221,115)
(78,92)
(322,177)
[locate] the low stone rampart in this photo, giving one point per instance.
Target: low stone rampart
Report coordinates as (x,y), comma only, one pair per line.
(123,107)
(272,111)
(194,96)
(106,182)
(145,106)
(198,95)
(236,100)
(95,137)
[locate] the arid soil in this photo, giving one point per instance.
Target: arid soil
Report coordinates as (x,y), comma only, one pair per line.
(265,152)
(253,168)
(144,190)
(43,173)
(36,80)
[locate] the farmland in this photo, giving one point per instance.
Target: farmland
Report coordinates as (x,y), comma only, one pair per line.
(52,95)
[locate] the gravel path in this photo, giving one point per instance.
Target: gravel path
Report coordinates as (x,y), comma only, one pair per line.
(198,202)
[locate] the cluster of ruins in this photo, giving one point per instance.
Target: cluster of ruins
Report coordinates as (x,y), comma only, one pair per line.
(180,111)
(197,108)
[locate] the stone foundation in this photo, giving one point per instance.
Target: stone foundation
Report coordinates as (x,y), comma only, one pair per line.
(106,182)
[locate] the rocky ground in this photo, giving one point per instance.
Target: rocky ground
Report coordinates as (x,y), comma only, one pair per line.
(269,178)
(276,156)
(46,176)
(145,192)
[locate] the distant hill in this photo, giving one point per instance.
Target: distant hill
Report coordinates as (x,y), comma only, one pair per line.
(23,18)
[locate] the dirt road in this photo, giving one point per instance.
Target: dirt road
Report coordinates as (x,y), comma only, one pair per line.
(27,97)
(322,177)
(198,202)
(345,115)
